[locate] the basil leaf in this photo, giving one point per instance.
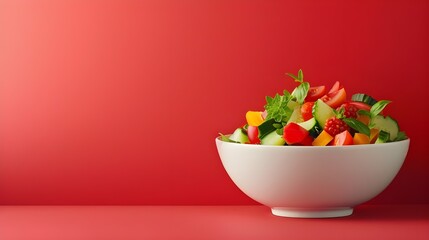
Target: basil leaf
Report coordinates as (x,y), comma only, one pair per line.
(293,76)
(378,107)
(226,138)
(357,125)
(364,112)
(301,91)
(300,75)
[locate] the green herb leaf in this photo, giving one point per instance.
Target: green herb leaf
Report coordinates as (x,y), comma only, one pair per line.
(299,78)
(296,78)
(277,108)
(226,138)
(357,125)
(364,112)
(300,75)
(300,92)
(378,107)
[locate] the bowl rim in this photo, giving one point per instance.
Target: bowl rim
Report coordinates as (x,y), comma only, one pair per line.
(405,141)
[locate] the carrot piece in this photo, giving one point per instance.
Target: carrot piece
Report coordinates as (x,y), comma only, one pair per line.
(360,138)
(323,139)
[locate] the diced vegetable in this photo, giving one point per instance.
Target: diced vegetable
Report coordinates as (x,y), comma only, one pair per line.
(323,139)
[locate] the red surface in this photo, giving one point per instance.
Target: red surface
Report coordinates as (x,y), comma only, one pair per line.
(206,222)
(119,102)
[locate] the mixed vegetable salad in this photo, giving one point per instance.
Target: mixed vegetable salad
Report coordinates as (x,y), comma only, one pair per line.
(316,116)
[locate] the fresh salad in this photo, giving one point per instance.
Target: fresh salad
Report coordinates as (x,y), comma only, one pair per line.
(317,116)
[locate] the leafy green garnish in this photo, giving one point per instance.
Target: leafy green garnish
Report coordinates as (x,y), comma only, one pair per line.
(299,78)
(300,92)
(378,107)
(357,125)
(226,138)
(277,108)
(364,112)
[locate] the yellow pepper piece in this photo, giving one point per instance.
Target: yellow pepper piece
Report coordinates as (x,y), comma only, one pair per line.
(360,138)
(254,118)
(323,139)
(373,135)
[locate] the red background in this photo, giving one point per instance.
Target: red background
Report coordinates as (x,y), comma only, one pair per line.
(119,102)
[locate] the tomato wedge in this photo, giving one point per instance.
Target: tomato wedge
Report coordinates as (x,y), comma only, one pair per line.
(337,86)
(307,110)
(335,99)
(315,93)
(343,138)
(361,105)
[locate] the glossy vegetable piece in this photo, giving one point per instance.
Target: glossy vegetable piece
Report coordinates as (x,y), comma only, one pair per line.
(343,138)
(252,134)
(254,118)
(294,133)
(323,139)
(360,138)
(315,93)
(335,99)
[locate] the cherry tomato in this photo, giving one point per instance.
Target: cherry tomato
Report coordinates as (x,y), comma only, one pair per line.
(337,86)
(343,138)
(252,134)
(335,99)
(307,110)
(315,93)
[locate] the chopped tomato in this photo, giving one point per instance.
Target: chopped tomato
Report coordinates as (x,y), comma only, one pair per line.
(307,110)
(335,99)
(307,141)
(293,133)
(315,93)
(252,134)
(343,138)
(337,86)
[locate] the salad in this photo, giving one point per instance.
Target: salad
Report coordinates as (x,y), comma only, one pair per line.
(316,116)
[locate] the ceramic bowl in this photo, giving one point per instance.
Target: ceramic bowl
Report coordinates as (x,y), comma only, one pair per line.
(309,181)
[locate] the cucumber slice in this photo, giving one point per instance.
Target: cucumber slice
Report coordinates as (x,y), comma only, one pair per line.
(322,112)
(360,97)
(386,124)
(383,137)
(239,135)
(296,116)
(266,127)
(273,139)
(309,124)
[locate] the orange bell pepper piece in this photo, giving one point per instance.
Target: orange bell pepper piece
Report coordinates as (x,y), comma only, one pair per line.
(373,135)
(323,139)
(254,118)
(360,138)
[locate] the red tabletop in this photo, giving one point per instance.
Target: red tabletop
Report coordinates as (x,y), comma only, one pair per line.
(207,222)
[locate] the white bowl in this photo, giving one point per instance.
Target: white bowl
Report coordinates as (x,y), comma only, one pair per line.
(312,182)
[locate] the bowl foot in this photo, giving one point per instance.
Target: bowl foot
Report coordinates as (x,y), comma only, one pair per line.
(311,213)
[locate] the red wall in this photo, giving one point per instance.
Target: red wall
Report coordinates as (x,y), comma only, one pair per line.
(119,102)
